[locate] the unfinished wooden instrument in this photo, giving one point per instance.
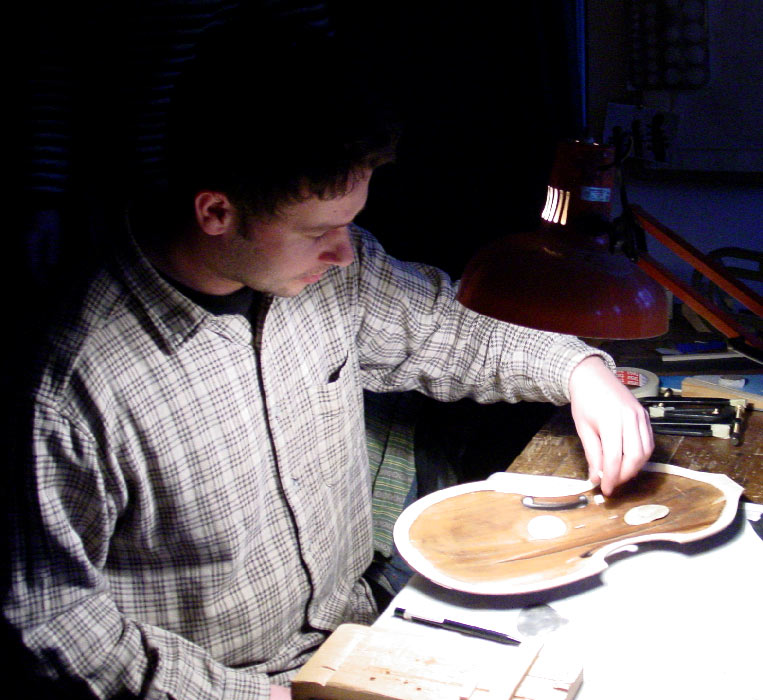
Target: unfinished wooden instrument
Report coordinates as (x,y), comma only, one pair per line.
(492,537)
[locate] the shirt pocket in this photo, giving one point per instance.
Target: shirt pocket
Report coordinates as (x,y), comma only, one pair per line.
(338,435)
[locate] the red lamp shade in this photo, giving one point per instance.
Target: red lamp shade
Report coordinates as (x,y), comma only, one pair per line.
(563,276)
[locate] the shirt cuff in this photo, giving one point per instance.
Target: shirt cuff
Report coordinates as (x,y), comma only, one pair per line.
(583,354)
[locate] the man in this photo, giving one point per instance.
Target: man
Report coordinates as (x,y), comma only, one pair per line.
(196,513)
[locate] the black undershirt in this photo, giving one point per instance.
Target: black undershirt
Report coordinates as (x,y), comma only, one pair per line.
(243,301)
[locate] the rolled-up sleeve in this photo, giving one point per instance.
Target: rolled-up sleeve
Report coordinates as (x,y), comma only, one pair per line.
(413,334)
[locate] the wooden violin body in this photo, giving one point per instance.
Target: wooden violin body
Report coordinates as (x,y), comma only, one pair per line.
(503,536)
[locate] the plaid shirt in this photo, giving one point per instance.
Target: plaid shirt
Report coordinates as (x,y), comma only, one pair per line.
(200,487)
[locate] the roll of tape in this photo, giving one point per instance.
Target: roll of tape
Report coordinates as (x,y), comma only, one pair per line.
(641,382)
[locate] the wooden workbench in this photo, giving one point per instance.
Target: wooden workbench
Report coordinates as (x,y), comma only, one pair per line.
(555,450)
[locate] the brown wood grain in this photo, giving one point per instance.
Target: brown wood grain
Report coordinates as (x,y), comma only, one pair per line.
(484,535)
(556,451)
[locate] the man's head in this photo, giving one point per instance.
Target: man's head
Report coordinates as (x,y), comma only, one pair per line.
(272,145)
(278,253)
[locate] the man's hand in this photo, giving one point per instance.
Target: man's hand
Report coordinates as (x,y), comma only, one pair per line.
(613,426)
(279,692)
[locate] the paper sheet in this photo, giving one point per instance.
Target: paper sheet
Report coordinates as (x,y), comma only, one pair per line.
(669,621)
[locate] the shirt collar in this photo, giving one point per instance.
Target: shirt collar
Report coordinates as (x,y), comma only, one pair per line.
(174,316)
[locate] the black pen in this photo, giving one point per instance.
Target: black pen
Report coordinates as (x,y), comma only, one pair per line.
(463,628)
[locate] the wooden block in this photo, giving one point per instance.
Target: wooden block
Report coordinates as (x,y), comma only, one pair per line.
(555,675)
(708,386)
(365,663)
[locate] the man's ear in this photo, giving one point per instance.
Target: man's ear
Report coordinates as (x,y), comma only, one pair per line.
(215,213)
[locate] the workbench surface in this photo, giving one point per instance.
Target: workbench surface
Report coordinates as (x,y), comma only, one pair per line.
(556,450)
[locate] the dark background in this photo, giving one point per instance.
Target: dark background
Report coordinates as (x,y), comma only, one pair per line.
(485,93)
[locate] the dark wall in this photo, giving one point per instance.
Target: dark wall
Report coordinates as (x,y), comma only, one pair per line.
(486,92)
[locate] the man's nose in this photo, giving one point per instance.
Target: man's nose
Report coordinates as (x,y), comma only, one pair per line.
(339,251)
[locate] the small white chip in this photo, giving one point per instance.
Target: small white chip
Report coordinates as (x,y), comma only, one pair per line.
(641,515)
(546,527)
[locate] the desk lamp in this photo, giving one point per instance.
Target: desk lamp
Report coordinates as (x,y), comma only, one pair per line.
(583,274)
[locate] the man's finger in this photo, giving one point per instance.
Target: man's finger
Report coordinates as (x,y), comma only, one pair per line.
(612,457)
(591,443)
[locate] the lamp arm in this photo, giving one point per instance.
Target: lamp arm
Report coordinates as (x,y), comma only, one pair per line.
(712,313)
(739,337)
(715,272)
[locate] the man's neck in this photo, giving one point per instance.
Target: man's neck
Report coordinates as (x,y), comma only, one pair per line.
(241,302)
(186,261)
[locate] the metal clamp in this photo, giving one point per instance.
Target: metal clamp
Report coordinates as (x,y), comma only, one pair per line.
(555,502)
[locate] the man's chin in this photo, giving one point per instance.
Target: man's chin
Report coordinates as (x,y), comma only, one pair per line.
(288,291)
(296,286)
(311,279)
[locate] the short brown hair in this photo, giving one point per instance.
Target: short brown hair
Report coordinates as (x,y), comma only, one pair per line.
(266,118)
